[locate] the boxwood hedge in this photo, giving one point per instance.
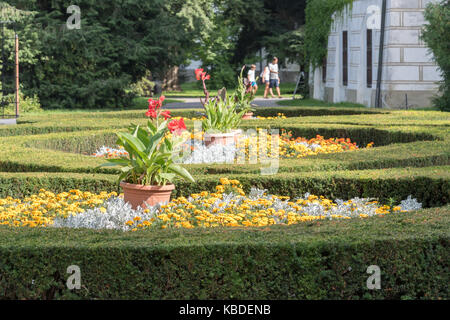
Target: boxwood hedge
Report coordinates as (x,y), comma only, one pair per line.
(323,260)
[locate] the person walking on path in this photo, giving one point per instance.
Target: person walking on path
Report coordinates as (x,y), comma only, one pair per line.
(251,76)
(265,78)
(274,77)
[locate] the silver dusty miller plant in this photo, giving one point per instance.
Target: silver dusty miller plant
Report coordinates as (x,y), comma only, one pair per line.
(118,212)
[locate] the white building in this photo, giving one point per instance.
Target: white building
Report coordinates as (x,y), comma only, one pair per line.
(409,76)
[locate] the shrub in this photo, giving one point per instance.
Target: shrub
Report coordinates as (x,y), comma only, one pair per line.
(27,104)
(326,260)
(395,184)
(144,87)
(435,34)
(92,67)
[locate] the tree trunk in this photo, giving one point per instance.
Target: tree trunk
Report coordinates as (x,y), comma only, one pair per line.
(170,82)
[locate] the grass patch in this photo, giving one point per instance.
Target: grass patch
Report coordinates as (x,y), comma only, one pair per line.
(318,103)
(192,90)
(139,103)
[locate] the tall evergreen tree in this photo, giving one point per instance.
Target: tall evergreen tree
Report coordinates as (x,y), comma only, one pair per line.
(117,43)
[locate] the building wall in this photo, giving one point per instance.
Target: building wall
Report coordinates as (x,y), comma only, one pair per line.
(408,68)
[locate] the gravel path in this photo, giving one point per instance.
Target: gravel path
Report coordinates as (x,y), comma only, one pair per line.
(194,103)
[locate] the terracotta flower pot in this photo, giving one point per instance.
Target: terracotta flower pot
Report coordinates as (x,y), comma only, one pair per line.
(222,138)
(139,195)
(248,115)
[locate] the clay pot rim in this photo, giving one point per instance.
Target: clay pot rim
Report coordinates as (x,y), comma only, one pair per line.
(167,187)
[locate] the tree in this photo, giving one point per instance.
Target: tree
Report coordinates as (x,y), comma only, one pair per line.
(119,41)
(273,25)
(28,36)
(436,36)
(27,55)
(197,17)
(243,27)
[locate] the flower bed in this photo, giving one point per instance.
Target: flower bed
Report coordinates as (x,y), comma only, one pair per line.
(41,209)
(289,148)
(228,206)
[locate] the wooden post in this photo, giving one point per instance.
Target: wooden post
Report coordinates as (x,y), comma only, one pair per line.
(17,76)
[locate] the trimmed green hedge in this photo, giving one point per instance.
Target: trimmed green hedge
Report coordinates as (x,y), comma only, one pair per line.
(414,139)
(430,185)
(43,152)
(320,260)
(306,261)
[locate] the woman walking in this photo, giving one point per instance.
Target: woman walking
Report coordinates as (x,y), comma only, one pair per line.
(265,78)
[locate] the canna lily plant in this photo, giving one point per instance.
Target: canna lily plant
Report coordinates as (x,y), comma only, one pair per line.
(222,114)
(244,95)
(151,150)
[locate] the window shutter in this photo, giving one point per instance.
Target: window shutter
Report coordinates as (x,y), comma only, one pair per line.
(369,59)
(345,58)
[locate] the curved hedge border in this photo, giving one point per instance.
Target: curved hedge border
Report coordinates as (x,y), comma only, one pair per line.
(321,260)
(306,261)
(431,185)
(24,153)
(403,139)
(62,122)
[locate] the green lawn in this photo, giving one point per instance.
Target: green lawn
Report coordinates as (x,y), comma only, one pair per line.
(139,103)
(318,103)
(191,89)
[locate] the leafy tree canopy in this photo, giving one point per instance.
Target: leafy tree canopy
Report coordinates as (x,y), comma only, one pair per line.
(117,43)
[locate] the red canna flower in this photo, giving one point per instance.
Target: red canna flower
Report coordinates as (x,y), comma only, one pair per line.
(151,113)
(156,104)
(198,73)
(206,76)
(176,126)
(152,104)
(160,101)
(165,114)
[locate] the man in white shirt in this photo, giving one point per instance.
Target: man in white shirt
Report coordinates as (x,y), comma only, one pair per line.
(274,77)
(251,76)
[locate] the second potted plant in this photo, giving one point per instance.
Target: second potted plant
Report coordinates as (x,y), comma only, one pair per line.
(222,115)
(221,122)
